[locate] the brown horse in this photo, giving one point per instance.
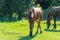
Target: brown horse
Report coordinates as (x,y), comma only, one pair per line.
(34,14)
(53,13)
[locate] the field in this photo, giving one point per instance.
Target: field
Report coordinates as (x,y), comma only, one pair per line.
(19,30)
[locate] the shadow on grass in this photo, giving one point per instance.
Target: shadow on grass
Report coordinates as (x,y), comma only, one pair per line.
(52,30)
(27,37)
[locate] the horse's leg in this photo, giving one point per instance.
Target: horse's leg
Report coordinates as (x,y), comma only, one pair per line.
(40,27)
(38,22)
(54,23)
(31,26)
(37,27)
(48,25)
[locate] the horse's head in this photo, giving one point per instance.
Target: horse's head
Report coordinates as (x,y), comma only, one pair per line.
(26,14)
(48,20)
(29,13)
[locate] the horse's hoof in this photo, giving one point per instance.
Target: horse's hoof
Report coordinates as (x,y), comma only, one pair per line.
(47,27)
(41,32)
(54,28)
(36,32)
(30,34)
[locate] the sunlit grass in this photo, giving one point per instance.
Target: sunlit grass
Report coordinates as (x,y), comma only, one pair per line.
(19,30)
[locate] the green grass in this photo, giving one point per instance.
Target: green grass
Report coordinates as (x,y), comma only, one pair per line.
(19,30)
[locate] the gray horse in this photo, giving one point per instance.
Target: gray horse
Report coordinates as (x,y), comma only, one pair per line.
(53,13)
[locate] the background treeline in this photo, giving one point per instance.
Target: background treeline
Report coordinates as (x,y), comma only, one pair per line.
(14,9)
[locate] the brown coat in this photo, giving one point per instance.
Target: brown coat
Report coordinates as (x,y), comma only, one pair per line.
(34,14)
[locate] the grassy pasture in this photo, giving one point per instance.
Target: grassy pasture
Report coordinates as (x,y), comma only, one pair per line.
(19,30)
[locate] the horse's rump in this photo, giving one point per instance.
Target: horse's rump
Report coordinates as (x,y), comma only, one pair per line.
(34,14)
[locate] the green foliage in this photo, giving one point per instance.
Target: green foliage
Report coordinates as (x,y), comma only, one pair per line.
(55,3)
(8,7)
(38,5)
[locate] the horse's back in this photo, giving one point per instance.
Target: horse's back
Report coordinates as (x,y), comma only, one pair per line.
(55,10)
(37,9)
(37,12)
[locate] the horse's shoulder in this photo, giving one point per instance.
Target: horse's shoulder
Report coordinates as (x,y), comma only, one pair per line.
(56,7)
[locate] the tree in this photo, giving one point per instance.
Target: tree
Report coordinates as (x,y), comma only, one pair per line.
(44,3)
(18,6)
